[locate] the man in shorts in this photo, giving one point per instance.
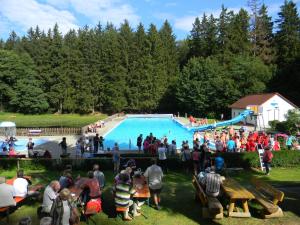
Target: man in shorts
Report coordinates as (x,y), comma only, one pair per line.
(154,175)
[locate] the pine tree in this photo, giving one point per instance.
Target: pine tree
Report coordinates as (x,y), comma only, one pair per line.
(12,41)
(261,29)
(113,71)
(182,47)
(239,37)
(254,6)
(223,39)
(170,63)
(195,39)
(287,36)
(264,38)
(139,76)
(2,43)
(287,42)
(211,36)
(157,70)
(57,83)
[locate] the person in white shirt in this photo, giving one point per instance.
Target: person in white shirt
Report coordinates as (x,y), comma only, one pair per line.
(154,175)
(20,185)
(162,157)
(50,194)
(212,182)
(7,194)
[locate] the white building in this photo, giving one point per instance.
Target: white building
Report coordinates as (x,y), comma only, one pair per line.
(267,107)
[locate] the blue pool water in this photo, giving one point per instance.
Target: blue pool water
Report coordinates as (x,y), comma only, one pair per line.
(20,144)
(129,129)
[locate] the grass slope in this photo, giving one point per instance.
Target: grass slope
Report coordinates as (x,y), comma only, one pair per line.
(179,206)
(51,120)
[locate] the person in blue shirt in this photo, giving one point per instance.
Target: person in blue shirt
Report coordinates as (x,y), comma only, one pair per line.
(219,162)
(289,142)
(231,145)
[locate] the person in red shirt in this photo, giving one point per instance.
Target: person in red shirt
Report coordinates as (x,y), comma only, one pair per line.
(91,188)
(12,152)
(266,141)
(267,159)
(250,146)
(276,146)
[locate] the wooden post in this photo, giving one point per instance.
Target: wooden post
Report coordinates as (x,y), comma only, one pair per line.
(231,207)
(18,164)
(245,205)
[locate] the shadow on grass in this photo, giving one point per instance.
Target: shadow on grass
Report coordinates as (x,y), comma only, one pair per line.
(177,199)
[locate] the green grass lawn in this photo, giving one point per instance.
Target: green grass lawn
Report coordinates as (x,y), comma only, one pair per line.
(51,120)
(179,206)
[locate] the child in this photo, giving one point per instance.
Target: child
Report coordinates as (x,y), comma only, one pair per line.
(267,159)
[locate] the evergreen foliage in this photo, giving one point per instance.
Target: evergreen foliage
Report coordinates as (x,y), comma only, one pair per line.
(140,69)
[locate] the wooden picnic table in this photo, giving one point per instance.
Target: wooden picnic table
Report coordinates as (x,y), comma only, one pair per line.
(141,187)
(236,192)
(76,189)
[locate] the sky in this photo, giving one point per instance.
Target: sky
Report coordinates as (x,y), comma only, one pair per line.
(20,15)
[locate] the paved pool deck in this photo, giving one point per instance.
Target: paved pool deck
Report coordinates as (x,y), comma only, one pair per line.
(53,144)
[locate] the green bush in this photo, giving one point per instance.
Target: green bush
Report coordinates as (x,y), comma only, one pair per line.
(284,158)
(245,160)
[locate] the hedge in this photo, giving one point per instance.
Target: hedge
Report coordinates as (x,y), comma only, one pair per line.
(245,160)
(283,158)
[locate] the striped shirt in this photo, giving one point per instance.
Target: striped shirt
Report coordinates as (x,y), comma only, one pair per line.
(123,194)
(213,182)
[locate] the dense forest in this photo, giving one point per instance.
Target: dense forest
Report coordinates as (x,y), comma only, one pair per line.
(147,70)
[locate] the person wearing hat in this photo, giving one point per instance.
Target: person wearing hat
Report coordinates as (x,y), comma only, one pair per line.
(7,194)
(267,159)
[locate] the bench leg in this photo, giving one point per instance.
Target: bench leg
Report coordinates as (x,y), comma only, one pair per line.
(279,213)
(7,215)
(245,206)
(231,207)
(207,214)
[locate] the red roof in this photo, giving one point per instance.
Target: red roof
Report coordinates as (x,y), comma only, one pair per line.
(257,99)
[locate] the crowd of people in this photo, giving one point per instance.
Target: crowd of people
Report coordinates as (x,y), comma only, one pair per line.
(241,141)
(89,144)
(152,144)
(8,147)
(60,205)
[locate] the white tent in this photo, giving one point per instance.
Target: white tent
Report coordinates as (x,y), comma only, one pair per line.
(7,128)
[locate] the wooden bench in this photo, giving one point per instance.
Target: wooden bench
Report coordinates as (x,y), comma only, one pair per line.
(211,206)
(268,197)
(32,188)
(121,209)
(5,210)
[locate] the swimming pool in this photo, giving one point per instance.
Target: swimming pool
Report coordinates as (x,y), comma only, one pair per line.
(126,133)
(20,144)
